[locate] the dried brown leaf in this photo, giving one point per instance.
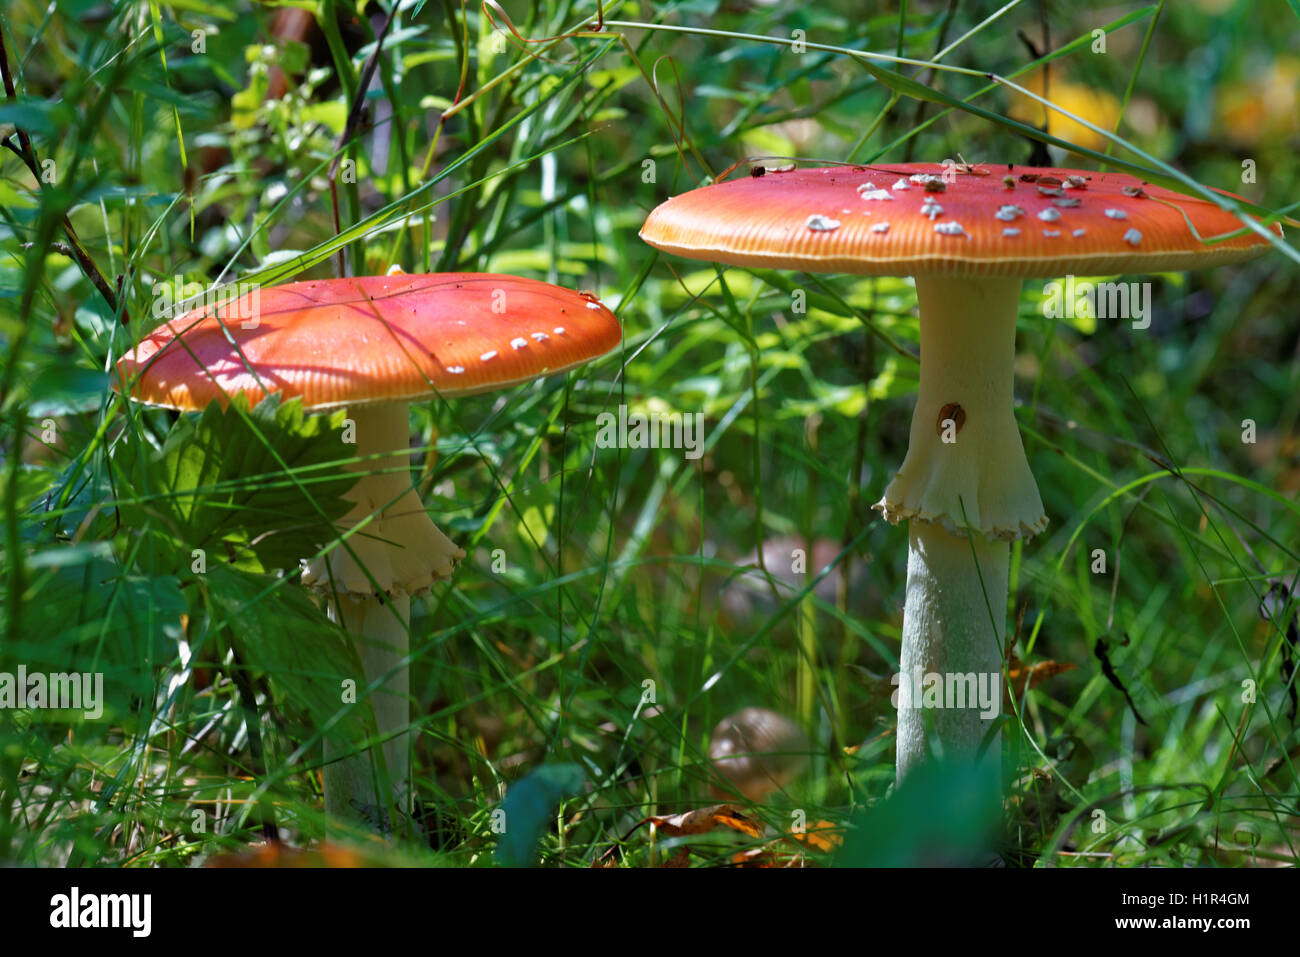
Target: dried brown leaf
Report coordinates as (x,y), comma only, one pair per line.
(705,819)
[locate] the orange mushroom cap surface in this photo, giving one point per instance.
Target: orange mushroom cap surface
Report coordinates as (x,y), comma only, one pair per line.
(369,339)
(928,219)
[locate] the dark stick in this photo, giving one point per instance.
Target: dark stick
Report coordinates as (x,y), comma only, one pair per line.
(919,112)
(1102,652)
(350,128)
(73,248)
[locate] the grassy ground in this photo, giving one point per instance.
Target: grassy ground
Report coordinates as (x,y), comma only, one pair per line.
(613,607)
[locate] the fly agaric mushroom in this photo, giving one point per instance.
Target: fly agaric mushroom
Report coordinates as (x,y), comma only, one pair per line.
(968,235)
(373,345)
(757,751)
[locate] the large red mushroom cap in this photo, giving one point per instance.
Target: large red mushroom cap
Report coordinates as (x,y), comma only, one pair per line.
(904,219)
(357,341)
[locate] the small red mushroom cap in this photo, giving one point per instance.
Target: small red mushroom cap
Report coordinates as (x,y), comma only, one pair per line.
(883,220)
(355,341)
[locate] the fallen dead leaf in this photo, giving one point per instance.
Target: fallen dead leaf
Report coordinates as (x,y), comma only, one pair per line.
(1020,676)
(705,819)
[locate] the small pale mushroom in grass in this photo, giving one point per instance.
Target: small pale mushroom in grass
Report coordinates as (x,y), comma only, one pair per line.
(965,500)
(757,752)
(372,345)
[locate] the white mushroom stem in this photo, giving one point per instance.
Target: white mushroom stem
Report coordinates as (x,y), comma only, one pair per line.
(948,631)
(354,784)
(965,469)
(398,553)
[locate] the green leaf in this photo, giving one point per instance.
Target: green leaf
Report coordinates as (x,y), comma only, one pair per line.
(333,116)
(62,387)
(530,807)
(941,815)
(87,614)
(36,117)
(254,488)
(246,104)
(11,197)
(276,629)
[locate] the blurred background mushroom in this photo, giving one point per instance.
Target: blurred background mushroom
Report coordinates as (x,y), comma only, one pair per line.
(757,752)
(753,596)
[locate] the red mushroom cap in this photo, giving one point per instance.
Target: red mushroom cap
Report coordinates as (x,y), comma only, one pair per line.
(354,341)
(928,219)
